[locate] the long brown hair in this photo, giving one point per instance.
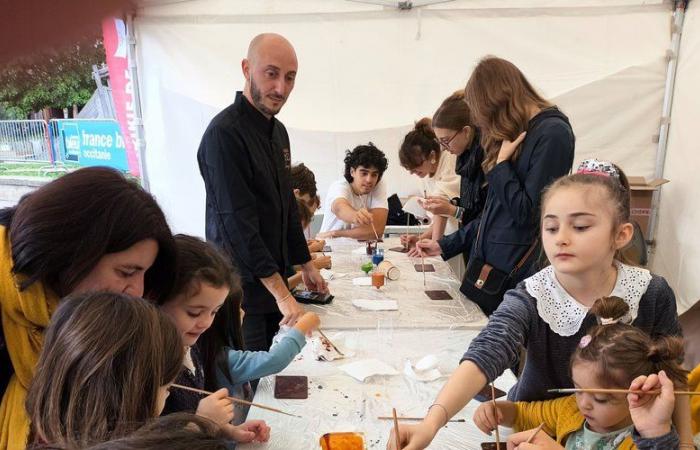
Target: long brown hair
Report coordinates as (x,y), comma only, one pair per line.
(623,352)
(500,97)
(418,144)
(616,191)
(179,431)
(60,231)
(453,113)
(201,262)
(104,358)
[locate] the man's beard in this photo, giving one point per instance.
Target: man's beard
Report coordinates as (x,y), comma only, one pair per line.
(258,100)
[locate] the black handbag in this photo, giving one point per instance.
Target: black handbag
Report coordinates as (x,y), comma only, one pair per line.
(484,284)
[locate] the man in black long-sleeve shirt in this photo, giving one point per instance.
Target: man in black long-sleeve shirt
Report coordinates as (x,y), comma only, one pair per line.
(251,212)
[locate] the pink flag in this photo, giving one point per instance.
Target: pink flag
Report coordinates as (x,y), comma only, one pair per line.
(115,42)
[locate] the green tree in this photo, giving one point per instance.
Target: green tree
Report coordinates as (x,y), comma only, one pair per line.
(56,79)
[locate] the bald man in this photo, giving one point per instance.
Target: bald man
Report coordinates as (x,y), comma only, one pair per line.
(251,211)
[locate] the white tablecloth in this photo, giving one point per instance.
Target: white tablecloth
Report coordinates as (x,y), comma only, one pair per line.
(338,402)
(415,308)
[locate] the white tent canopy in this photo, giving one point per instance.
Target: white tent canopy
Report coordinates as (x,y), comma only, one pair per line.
(367,72)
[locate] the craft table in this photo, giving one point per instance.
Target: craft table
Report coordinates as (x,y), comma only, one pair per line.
(338,402)
(416,310)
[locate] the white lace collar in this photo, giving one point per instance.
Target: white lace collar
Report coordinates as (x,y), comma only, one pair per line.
(564,314)
(187,361)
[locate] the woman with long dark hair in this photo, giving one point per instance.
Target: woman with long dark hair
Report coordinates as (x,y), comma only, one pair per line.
(89,230)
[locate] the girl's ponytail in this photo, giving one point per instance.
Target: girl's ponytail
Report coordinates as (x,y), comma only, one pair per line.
(666,353)
(418,144)
(623,352)
(609,309)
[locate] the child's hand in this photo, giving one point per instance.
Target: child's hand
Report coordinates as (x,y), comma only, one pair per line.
(250,431)
(322,262)
(541,441)
(315,245)
(308,323)
(216,407)
(651,414)
(487,417)
(413,437)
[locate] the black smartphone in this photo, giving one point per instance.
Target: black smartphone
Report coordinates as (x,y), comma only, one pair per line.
(312,297)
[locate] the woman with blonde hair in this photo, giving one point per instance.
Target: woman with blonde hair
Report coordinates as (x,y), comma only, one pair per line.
(528,143)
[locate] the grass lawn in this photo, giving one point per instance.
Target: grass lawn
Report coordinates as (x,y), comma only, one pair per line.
(41,170)
(34,169)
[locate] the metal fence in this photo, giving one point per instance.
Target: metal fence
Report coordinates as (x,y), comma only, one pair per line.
(25,140)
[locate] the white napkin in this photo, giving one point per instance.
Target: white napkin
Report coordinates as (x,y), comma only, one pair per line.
(412,206)
(360,251)
(322,350)
(362,281)
(361,370)
(424,370)
(376,305)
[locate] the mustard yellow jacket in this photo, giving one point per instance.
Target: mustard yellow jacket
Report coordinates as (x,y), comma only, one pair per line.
(25,315)
(694,385)
(560,415)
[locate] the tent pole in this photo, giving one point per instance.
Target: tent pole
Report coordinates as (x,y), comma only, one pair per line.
(138,119)
(678,17)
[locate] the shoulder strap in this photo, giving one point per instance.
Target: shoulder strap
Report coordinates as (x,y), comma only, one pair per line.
(524,259)
(482,219)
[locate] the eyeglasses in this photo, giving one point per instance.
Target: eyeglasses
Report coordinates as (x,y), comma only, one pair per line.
(445,143)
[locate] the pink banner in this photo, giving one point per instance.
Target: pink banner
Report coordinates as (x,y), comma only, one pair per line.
(115,42)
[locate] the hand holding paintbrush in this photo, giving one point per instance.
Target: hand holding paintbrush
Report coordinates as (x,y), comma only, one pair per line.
(495,408)
(233,399)
(396,429)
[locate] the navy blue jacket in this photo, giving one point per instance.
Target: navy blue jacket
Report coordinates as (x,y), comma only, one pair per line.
(472,183)
(511,215)
(251,210)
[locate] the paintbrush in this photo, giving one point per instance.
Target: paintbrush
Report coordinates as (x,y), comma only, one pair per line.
(234,400)
(396,429)
(375,232)
(330,342)
(422,261)
(617,391)
(534,433)
(408,224)
(364,203)
(415,419)
(495,412)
